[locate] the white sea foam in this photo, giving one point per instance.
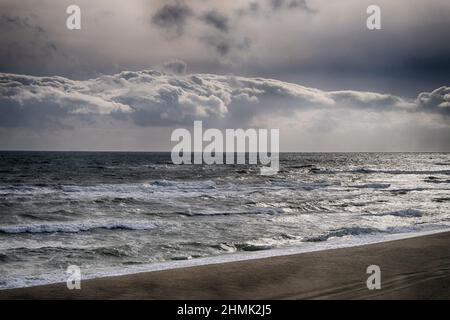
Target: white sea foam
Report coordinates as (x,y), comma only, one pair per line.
(73,227)
(304,247)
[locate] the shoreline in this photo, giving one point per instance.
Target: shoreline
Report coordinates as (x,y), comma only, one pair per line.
(414,267)
(299,248)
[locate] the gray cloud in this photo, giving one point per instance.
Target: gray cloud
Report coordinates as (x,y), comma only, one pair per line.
(19,22)
(17,53)
(216,20)
(176,67)
(156,98)
(229,49)
(437,101)
(173,20)
(267,8)
(290,4)
(172,17)
(43,102)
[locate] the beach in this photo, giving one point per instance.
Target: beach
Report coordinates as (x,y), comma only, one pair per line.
(413,268)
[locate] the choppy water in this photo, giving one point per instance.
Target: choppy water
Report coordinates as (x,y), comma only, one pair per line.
(105,211)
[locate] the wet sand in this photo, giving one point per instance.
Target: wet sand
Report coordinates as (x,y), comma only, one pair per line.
(414,268)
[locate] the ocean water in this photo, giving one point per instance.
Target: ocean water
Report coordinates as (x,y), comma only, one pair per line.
(113,212)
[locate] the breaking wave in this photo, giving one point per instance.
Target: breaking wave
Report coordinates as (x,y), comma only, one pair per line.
(408,213)
(350,231)
(74,227)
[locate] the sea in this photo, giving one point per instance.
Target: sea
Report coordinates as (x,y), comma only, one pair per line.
(112,213)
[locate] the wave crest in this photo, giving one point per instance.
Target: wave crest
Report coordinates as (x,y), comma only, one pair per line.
(74,227)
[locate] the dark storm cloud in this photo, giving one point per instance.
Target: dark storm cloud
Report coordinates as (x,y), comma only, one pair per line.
(216,20)
(172,17)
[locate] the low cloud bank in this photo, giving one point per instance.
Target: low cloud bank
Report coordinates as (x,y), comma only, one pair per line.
(171,97)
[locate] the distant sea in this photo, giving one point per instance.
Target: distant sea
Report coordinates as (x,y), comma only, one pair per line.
(108,211)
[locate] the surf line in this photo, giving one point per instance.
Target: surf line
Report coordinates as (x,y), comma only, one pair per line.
(233,143)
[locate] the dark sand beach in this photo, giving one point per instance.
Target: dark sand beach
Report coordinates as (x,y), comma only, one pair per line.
(414,268)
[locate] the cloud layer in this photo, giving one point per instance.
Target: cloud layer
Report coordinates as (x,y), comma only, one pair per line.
(320,43)
(171,97)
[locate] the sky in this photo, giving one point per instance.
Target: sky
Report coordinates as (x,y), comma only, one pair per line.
(139,69)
